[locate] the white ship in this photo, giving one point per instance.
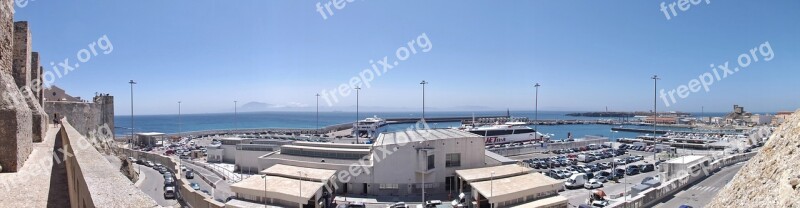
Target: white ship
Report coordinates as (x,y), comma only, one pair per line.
(510,132)
(369,127)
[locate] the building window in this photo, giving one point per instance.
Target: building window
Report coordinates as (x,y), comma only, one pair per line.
(431,162)
(453,160)
(389,186)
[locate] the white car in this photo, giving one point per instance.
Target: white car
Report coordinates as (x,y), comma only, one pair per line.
(620,161)
(593,184)
(601,179)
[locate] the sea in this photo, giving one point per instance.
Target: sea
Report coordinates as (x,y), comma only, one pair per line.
(258,120)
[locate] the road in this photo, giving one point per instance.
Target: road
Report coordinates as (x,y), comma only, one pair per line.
(223,190)
(153,186)
(700,194)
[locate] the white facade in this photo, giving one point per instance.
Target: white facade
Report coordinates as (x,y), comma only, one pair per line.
(394,165)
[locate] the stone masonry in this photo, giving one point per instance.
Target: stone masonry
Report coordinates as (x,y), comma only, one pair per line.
(23,55)
(36,77)
(15,115)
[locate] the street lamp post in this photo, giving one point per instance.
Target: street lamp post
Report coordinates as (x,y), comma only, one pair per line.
(536,109)
(180,137)
(655,112)
(491,190)
(317,111)
(129,140)
(355,126)
(423,83)
(265,189)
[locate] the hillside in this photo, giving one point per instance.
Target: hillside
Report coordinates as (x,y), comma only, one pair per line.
(770,178)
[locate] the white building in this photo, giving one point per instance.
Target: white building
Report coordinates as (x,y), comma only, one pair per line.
(395,164)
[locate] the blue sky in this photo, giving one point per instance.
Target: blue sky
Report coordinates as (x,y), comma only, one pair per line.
(586,54)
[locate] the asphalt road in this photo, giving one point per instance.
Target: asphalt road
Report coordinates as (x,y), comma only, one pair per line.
(700,194)
(223,190)
(153,186)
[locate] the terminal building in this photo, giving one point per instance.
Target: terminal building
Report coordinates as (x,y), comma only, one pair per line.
(397,164)
(243,152)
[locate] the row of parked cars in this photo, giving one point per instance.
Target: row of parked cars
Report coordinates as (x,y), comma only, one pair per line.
(649,148)
(580,149)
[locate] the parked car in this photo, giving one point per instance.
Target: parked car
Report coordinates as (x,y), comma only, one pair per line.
(149,164)
(593,184)
(619,173)
(399,205)
(599,178)
(432,203)
(169,192)
(632,170)
(620,161)
(647,168)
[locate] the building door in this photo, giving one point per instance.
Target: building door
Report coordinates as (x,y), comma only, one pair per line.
(344,188)
(365,188)
(450,183)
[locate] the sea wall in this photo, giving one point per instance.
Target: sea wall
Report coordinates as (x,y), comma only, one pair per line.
(87,118)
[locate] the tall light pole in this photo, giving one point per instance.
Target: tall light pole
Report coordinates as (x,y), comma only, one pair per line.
(265,189)
(180,128)
(132,83)
(536,109)
(491,189)
(423,83)
(317,111)
(129,141)
(355,126)
(655,112)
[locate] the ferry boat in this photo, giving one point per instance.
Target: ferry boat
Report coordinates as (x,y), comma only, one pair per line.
(369,127)
(510,132)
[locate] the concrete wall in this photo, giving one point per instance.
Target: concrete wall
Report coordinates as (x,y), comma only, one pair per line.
(652,196)
(185,192)
(92,180)
(15,116)
(85,117)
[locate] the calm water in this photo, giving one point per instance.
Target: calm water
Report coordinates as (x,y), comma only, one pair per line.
(198,122)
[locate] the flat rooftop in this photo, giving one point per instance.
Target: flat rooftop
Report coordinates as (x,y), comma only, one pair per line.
(418,135)
(553,201)
(503,189)
(307,159)
(287,171)
(327,149)
(484,174)
(334,145)
(277,187)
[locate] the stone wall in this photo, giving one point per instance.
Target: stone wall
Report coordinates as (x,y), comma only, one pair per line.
(92,180)
(87,118)
(15,115)
(767,180)
(23,55)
